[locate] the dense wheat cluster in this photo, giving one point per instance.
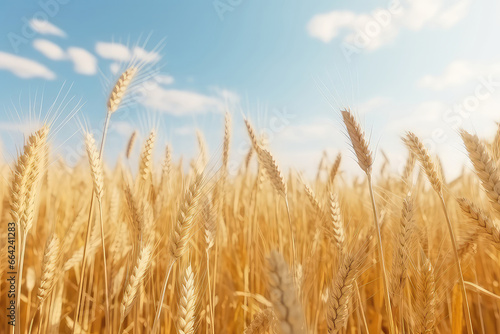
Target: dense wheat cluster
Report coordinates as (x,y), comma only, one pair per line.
(202,250)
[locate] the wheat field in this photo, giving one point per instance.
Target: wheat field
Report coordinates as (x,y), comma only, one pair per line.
(200,250)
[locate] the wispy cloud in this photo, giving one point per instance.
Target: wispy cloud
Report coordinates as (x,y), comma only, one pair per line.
(383,25)
(184,102)
(459,72)
(83,61)
(23,67)
(44,27)
(121,53)
(49,49)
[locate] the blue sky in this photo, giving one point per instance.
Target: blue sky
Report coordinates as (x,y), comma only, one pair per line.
(426,66)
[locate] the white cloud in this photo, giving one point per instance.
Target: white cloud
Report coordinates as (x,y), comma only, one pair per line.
(164,79)
(114,68)
(182,102)
(49,49)
(373,30)
(84,62)
(458,73)
(44,27)
(184,130)
(113,51)
(145,56)
(121,127)
(122,53)
(23,67)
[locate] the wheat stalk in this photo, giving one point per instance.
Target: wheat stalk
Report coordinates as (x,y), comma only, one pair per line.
(365,162)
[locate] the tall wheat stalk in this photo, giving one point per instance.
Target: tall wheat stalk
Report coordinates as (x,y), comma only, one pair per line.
(365,162)
(433,175)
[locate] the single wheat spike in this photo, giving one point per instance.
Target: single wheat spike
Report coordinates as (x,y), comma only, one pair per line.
(202,147)
(262,323)
(342,290)
(130,144)
(146,159)
(359,143)
(49,268)
(136,279)
(253,135)
(227,140)
(409,167)
(25,179)
(95,165)
(334,170)
(182,231)
(166,166)
(248,157)
(187,304)
(273,171)
(284,296)
(120,89)
(313,199)
(402,250)
(210,222)
(426,299)
(336,231)
(484,166)
(417,147)
(476,215)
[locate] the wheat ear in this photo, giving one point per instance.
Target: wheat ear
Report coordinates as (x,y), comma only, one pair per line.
(426,299)
(130,144)
(337,232)
(284,296)
(485,167)
(136,279)
(262,323)
(476,215)
(49,266)
(402,250)
(417,147)
(342,290)
(334,170)
(120,89)
(187,304)
(227,141)
(359,143)
(145,161)
(95,165)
